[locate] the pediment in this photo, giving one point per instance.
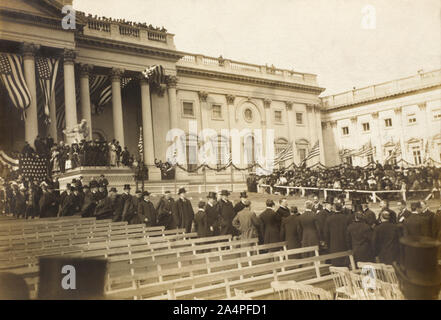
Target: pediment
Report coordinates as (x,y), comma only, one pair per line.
(413,140)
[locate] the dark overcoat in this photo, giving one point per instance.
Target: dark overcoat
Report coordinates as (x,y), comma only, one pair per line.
(385,242)
(289,232)
(309,229)
(183,214)
(270,225)
(335,236)
(359,239)
(147,213)
(226,216)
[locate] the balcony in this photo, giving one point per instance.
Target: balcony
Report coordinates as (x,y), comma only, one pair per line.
(420,81)
(140,34)
(246,69)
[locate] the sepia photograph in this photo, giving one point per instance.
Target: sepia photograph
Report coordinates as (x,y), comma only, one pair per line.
(235,151)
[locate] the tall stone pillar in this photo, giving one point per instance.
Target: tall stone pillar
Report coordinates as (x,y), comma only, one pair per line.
(231,122)
(86,113)
(118,120)
(291,126)
(147,126)
(379,143)
(31,121)
(267,125)
(69,91)
(172,101)
(399,116)
(319,130)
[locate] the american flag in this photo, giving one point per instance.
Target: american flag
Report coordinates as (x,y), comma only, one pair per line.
(106,94)
(395,153)
(141,144)
(11,74)
(96,83)
(284,155)
(315,151)
(47,71)
(365,150)
(34,168)
(155,74)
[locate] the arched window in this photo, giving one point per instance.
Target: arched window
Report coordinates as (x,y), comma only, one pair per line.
(222,148)
(192,149)
(249,150)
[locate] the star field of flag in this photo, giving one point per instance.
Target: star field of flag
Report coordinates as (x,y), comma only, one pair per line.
(34,168)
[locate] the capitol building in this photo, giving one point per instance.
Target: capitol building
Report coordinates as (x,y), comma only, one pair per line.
(399,120)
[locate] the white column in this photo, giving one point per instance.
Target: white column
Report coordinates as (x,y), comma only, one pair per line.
(379,143)
(172,101)
(69,91)
(268,124)
(86,114)
(399,114)
(231,122)
(147,126)
(319,128)
(118,120)
(291,127)
(31,121)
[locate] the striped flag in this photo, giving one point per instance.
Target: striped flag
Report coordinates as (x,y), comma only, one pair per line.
(365,150)
(285,155)
(59,99)
(395,153)
(315,151)
(106,94)
(155,74)
(8,161)
(141,144)
(11,74)
(47,69)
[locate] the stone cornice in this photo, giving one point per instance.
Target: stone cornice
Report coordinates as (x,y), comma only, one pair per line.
(128,47)
(203,95)
(34,19)
(220,76)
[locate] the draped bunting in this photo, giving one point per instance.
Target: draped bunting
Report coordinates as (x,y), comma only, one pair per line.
(12,77)
(47,69)
(8,161)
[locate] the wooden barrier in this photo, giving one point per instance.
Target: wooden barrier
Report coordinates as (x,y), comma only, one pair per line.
(373,193)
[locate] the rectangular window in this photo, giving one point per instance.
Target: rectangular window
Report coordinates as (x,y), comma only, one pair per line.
(416,155)
(299,118)
(217,111)
(366,126)
(345,131)
(388,122)
(411,118)
(370,158)
(302,154)
(188,109)
(278,116)
(348,160)
(437,114)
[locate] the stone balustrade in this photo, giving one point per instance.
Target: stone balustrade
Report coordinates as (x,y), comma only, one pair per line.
(226,65)
(418,81)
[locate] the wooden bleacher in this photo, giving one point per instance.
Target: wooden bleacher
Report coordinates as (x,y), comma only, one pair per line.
(153,263)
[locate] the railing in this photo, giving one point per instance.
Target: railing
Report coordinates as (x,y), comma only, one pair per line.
(98,25)
(374,194)
(156,36)
(420,80)
(248,67)
(129,31)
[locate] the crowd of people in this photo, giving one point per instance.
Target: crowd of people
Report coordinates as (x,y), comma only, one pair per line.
(346,177)
(332,225)
(85,153)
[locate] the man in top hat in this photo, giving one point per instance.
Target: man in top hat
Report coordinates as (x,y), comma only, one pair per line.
(403,212)
(322,216)
(226,214)
(368,215)
(270,223)
(241,204)
(130,210)
(200,220)
(89,203)
(164,210)
(430,215)
(335,234)
(289,231)
(385,240)
(212,215)
(316,206)
(359,238)
(105,209)
(183,211)
(146,210)
(70,205)
(417,224)
(49,203)
(309,228)
(119,206)
(283,210)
